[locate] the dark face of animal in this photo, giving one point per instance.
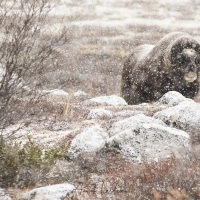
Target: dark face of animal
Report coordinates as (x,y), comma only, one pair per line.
(187,65)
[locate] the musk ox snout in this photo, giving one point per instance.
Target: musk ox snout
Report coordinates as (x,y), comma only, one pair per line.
(170,65)
(190,77)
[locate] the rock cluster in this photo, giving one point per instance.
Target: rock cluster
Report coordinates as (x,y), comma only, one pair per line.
(110,124)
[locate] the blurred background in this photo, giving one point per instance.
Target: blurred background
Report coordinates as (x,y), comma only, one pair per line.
(102,33)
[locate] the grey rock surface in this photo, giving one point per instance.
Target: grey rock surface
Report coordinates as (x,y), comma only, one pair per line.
(90,140)
(173,98)
(150,141)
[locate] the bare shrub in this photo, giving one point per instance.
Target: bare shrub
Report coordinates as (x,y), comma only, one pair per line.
(26,53)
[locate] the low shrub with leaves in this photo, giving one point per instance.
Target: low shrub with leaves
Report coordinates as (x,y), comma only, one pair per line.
(26,165)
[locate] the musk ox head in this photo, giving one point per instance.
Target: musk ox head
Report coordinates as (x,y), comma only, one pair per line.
(188,62)
(185,58)
(172,64)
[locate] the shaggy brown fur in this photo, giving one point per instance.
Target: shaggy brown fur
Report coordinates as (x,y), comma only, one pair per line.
(151,71)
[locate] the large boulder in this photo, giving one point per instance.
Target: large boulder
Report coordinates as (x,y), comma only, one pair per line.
(91,140)
(100,113)
(144,138)
(185,116)
(173,98)
(133,122)
(52,192)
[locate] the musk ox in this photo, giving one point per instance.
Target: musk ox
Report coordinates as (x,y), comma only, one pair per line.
(152,70)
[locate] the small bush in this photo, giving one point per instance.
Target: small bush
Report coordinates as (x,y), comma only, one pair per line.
(27,165)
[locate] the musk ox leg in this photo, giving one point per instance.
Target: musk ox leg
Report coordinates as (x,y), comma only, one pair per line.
(136,95)
(126,82)
(141,94)
(129,90)
(133,91)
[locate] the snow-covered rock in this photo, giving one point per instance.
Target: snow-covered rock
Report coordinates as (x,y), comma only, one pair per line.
(150,141)
(92,139)
(80,95)
(185,115)
(4,195)
(100,113)
(132,123)
(57,95)
(52,192)
(112,100)
(173,98)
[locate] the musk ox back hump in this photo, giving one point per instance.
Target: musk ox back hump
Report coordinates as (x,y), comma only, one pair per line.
(151,71)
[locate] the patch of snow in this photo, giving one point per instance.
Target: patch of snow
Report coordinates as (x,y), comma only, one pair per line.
(164,23)
(173,98)
(52,192)
(100,113)
(92,139)
(112,100)
(175,2)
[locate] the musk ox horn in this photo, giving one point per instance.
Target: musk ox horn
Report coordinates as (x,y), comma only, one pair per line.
(151,71)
